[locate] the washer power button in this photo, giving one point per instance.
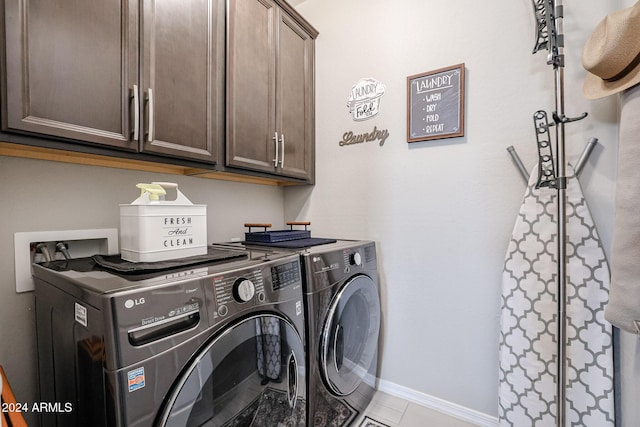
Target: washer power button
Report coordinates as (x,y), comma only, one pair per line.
(223,310)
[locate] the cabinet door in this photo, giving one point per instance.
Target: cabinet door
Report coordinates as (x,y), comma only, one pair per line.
(69,66)
(251,85)
(182,80)
(294,112)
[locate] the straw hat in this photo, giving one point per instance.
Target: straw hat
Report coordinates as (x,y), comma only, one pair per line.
(611,55)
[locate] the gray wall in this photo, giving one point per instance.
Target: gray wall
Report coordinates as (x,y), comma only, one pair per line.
(41,195)
(442,212)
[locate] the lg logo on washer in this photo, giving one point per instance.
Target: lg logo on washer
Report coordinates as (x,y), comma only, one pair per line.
(130,303)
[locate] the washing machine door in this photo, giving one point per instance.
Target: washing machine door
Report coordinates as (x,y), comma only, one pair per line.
(253,370)
(349,341)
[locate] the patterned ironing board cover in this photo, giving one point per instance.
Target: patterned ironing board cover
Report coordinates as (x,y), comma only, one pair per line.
(527,348)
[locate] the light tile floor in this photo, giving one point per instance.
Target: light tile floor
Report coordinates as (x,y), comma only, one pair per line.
(397,412)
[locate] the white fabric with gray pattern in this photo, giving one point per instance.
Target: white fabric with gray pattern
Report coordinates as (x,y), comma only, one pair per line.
(527,348)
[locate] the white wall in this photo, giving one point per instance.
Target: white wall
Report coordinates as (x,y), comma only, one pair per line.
(41,195)
(442,212)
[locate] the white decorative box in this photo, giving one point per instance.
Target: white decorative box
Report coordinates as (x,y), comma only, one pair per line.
(153,229)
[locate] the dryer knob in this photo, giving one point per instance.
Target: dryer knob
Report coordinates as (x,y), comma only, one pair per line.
(243,290)
(355,259)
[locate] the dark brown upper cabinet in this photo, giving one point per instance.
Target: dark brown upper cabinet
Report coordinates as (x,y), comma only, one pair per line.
(270,89)
(141,76)
(182,76)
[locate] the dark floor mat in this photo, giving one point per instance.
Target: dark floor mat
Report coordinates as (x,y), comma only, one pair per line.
(116,263)
(332,412)
(269,410)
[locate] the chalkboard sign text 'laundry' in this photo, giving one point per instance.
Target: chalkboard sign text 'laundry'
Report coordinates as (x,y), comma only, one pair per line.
(435,104)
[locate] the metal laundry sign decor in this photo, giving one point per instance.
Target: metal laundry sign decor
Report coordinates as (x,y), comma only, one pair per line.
(350,138)
(364,104)
(364,99)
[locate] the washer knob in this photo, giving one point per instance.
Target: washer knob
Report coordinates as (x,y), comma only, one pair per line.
(243,290)
(355,259)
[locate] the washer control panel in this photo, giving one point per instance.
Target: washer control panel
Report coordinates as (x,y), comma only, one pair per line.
(238,291)
(230,290)
(285,275)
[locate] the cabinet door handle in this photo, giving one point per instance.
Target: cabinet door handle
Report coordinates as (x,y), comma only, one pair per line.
(275,139)
(282,156)
(150,113)
(136,112)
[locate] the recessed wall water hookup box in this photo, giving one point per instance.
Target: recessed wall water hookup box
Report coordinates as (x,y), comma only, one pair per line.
(80,243)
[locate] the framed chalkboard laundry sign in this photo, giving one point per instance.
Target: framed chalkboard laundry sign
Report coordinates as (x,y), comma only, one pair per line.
(435,104)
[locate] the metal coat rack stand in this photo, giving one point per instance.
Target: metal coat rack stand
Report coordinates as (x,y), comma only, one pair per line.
(549,15)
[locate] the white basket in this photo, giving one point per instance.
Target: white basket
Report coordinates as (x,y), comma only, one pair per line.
(159,230)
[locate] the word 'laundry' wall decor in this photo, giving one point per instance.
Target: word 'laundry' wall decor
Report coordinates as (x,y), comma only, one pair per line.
(364,104)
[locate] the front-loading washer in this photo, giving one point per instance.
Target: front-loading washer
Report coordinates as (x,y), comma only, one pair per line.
(343,317)
(214,344)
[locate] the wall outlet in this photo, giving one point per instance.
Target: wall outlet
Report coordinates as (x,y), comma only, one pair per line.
(80,243)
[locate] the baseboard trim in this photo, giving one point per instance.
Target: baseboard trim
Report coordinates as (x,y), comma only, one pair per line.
(437,404)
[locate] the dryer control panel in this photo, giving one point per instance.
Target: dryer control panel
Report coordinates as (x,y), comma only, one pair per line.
(236,292)
(327,266)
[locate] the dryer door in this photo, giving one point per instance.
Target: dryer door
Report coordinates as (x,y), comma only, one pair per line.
(349,343)
(254,368)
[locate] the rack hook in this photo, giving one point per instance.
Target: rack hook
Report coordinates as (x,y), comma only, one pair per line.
(564,119)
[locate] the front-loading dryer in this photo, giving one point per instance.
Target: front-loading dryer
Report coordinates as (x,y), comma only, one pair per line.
(343,315)
(214,344)
(343,327)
